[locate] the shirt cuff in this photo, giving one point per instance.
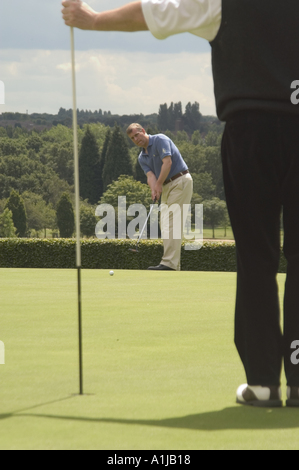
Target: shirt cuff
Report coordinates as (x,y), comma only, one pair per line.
(150,20)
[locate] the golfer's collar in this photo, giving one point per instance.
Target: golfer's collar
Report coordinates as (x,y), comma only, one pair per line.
(150,142)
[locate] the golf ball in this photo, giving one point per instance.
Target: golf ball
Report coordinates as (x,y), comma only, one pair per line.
(111,273)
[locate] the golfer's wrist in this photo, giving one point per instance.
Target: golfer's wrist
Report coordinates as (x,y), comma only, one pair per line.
(98,22)
(108,21)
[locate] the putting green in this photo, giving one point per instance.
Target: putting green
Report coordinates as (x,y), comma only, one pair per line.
(160,367)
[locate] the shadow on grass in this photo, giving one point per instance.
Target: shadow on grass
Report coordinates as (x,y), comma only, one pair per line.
(17,413)
(237,417)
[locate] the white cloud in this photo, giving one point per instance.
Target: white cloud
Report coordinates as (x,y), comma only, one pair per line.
(124,83)
(120,72)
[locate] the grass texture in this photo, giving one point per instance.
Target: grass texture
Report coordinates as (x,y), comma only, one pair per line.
(160,369)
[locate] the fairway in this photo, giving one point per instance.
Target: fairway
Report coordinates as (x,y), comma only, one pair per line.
(160,369)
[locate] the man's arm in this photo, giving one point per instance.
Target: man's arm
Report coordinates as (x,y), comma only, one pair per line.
(156,184)
(165,169)
(128,18)
(151,181)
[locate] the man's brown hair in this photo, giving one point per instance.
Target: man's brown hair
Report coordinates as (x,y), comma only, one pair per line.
(135,125)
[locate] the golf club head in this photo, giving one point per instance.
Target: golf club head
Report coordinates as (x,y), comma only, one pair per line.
(134,250)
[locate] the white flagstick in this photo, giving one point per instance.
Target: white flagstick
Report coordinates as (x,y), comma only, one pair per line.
(77,204)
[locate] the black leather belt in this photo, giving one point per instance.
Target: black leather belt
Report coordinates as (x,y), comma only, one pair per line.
(176,176)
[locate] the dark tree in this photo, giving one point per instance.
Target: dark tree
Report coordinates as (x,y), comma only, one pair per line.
(16,205)
(192,117)
(65,216)
(90,171)
(163,122)
(118,161)
(104,158)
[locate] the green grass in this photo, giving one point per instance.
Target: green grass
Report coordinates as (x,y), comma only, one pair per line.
(160,366)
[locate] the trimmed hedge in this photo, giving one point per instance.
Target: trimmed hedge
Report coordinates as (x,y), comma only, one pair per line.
(113,254)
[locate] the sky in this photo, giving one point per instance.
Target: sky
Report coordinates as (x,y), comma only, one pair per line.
(125,73)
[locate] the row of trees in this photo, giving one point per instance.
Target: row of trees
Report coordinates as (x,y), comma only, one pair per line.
(14,219)
(172,118)
(20,218)
(169,117)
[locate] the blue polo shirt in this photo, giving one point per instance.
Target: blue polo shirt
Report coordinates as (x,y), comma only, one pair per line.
(159,147)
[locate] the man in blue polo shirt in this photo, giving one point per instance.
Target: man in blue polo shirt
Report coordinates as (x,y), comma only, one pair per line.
(167,176)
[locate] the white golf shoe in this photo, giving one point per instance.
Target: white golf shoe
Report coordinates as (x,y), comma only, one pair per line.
(257,395)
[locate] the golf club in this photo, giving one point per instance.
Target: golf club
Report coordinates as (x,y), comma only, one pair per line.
(135,250)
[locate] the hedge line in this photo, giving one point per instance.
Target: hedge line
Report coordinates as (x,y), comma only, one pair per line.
(113,254)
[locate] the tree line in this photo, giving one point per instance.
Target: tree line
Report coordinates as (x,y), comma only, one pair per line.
(36,173)
(172,118)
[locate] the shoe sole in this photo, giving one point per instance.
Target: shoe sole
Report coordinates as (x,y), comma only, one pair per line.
(262,403)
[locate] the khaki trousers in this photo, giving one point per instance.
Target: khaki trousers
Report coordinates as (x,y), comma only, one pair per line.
(173,218)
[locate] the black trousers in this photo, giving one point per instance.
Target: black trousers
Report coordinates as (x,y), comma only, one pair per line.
(260,155)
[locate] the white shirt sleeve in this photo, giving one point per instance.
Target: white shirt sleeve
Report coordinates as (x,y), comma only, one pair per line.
(168,17)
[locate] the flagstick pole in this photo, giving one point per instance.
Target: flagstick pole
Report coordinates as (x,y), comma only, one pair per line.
(77,210)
